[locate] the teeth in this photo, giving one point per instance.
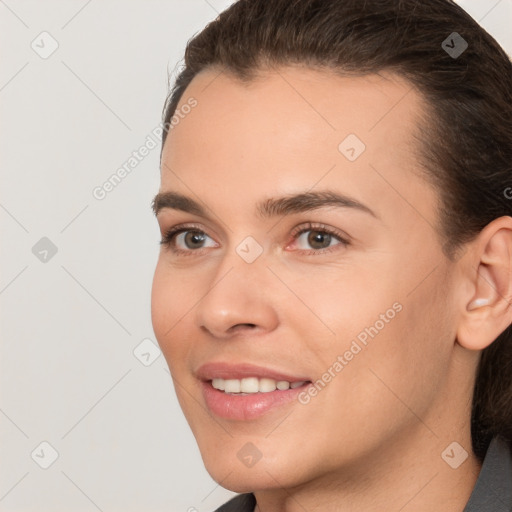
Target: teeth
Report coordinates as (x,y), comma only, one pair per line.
(249,385)
(267,385)
(218,384)
(232,386)
(253,385)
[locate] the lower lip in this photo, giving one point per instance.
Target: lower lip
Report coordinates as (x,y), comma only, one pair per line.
(246,407)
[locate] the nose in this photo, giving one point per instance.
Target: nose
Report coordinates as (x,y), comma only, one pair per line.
(239,299)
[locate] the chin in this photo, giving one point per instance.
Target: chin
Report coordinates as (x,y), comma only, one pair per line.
(225,464)
(248,479)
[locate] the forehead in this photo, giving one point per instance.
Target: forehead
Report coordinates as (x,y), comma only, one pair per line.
(303,98)
(291,129)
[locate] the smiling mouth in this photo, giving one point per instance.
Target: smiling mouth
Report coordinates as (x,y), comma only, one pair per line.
(249,397)
(252,385)
(244,391)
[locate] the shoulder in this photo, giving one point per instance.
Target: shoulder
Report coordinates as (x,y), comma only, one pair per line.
(240,503)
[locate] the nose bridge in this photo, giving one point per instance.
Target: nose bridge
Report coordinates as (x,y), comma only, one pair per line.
(243,267)
(239,292)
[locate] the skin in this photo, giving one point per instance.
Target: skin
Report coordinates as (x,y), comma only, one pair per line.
(372,439)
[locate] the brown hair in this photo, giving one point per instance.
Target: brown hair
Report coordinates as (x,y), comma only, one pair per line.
(466,138)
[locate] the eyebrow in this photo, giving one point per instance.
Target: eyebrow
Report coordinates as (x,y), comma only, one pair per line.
(267,208)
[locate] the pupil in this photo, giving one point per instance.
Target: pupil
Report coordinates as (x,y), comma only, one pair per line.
(319,240)
(193,239)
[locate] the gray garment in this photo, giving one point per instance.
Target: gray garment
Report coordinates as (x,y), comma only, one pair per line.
(493,488)
(492,491)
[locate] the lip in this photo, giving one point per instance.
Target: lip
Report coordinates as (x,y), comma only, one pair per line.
(222,370)
(250,406)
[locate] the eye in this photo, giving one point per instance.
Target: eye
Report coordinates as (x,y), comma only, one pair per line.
(317,239)
(182,239)
(309,239)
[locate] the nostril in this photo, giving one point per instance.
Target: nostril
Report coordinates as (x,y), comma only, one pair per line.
(242,326)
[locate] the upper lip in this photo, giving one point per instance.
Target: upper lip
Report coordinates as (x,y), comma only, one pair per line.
(224,370)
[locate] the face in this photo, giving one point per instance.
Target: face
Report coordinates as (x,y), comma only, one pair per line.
(300,256)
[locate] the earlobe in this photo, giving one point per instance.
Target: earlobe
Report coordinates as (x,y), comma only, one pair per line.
(487,312)
(478,303)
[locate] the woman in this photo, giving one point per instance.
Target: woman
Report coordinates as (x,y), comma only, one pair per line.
(333,292)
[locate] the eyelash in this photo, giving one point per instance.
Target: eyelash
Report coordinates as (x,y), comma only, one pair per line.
(171,234)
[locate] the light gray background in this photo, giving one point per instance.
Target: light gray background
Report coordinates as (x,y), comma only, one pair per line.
(70,324)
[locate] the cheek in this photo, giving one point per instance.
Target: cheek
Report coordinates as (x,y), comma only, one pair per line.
(410,357)
(346,300)
(394,345)
(161,303)
(168,301)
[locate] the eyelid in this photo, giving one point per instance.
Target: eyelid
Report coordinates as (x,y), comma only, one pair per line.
(169,237)
(341,236)
(316,226)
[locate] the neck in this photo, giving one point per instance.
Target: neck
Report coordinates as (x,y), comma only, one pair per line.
(407,472)
(408,475)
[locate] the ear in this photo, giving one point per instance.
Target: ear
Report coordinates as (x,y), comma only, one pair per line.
(487,305)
